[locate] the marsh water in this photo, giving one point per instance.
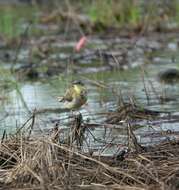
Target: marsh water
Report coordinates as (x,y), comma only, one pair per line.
(140,83)
(137,83)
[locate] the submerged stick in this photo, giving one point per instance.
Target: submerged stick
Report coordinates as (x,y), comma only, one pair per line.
(31,125)
(3,136)
(132,140)
(24,35)
(52,110)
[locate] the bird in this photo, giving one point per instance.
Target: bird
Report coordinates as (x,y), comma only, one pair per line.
(75,96)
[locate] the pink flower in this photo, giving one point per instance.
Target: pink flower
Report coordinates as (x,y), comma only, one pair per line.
(80,44)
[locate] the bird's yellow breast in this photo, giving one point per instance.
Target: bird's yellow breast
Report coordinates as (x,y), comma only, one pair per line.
(79,90)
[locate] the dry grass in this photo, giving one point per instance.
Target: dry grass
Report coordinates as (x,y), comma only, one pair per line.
(43,164)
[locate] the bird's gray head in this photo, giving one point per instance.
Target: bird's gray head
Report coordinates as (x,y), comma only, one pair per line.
(78,82)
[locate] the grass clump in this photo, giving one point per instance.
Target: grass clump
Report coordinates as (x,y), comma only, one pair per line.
(115,13)
(14,18)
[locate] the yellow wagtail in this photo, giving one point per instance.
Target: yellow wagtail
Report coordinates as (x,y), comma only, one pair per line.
(75,96)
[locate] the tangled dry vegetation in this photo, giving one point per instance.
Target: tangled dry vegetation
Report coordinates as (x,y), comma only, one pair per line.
(44,163)
(131,111)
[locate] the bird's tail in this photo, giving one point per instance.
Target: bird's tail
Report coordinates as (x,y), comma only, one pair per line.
(60,98)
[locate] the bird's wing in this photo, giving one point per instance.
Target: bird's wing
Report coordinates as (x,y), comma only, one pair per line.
(68,95)
(84,92)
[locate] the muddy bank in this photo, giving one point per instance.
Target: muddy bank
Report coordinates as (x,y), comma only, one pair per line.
(49,56)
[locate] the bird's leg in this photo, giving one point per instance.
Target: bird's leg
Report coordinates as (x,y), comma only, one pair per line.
(79,113)
(71,113)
